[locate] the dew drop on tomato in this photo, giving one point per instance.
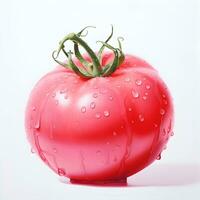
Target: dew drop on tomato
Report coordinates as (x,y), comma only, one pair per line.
(95,95)
(118,86)
(114,133)
(63,91)
(155,125)
(32,150)
(138,82)
(106,113)
(159,157)
(103,91)
(162,111)
(148,87)
(135,94)
(37,124)
(115,159)
(83,109)
(98,115)
(164,132)
(144,97)
(98,152)
(127,79)
(141,117)
(54,150)
(110,98)
(66,96)
(165,101)
(92,105)
(61,172)
(33,108)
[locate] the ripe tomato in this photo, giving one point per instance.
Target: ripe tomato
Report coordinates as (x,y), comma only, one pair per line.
(102,128)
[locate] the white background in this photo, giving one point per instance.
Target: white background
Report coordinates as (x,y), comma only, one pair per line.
(164,33)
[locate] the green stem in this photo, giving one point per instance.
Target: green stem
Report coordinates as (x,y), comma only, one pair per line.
(99,54)
(89,69)
(75,38)
(77,70)
(85,63)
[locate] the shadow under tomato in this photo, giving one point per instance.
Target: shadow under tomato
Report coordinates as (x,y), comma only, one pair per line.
(155,175)
(167,175)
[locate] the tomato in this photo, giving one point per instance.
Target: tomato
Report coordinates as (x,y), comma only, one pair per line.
(101,128)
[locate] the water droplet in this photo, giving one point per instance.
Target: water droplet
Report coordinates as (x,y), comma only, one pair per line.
(162,111)
(63,91)
(83,109)
(103,91)
(146,93)
(129,109)
(106,113)
(122,127)
(107,143)
(56,102)
(66,96)
(117,146)
(98,152)
(169,127)
(53,95)
(42,156)
(165,101)
(148,87)
(158,157)
(33,108)
(95,95)
(164,132)
(115,159)
(155,125)
(54,150)
(118,86)
(127,79)
(172,133)
(144,97)
(132,121)
(75,81)
(110,98)
(92,105)
(98,115)
(138,82)
(32,150)
(61,172)
(135,94)
(37,124)
(163,95)
(165,147)
(114,133)
(141,117)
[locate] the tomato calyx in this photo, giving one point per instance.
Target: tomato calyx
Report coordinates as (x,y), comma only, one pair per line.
(89,69)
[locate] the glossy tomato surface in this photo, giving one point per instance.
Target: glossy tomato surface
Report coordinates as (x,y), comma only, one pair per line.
(103,128)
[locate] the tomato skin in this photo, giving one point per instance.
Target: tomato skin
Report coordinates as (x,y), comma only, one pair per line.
(104,128)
